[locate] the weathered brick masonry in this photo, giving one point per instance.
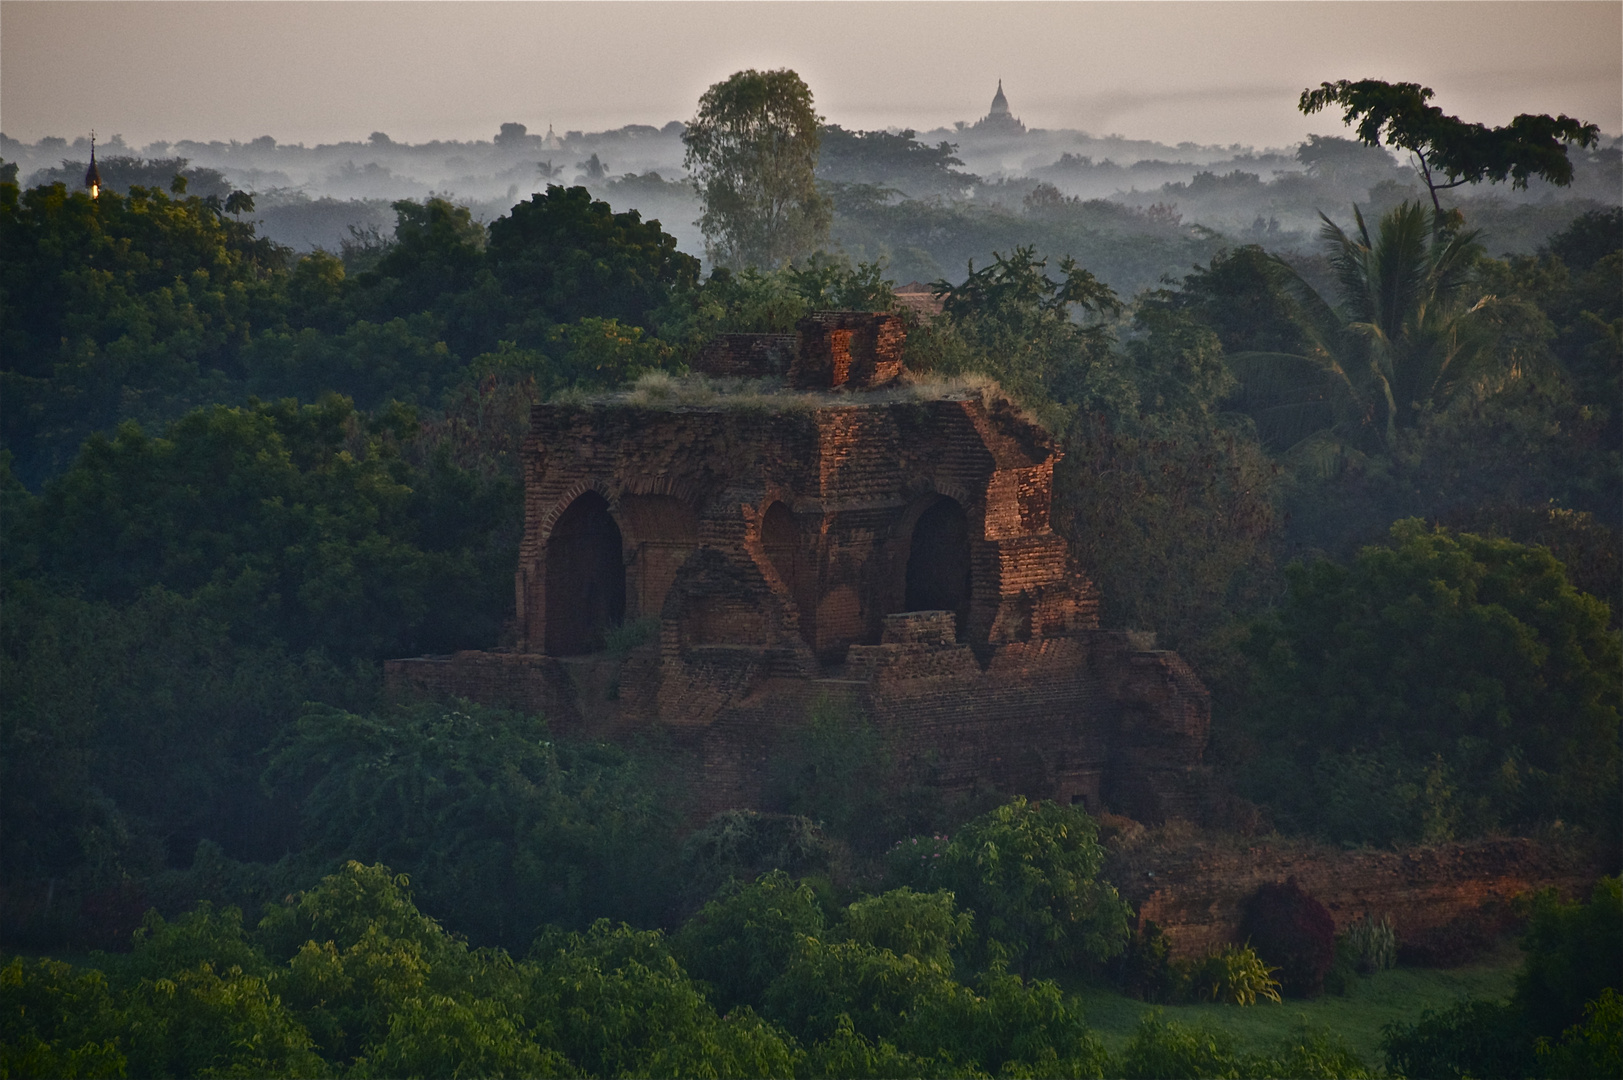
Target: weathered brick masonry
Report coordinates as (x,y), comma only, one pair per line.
(1434,895)
(854,538)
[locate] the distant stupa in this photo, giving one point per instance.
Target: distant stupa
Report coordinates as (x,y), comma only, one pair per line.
(551,141)
(93,174)
(1000,121)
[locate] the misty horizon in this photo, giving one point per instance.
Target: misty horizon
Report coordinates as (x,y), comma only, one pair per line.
(1211,74)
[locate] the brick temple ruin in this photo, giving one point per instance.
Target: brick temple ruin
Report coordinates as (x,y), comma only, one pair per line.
(831,531)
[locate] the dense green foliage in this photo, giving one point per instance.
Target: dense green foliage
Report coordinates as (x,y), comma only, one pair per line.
(1031,873)
(1408,335)
(752,149)
(506,828)
(350,978)
(142,306)
(1461,678)
(1562,1020)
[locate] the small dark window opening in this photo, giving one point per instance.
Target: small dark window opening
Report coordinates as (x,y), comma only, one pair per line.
(938,562)
(586,578)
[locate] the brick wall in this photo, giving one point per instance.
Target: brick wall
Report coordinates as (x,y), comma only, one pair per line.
(1197,893)
(748,356)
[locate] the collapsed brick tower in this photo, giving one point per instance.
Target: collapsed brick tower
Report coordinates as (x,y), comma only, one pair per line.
(845,535)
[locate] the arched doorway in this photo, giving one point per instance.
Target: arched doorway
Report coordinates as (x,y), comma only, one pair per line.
(938,562)
(586,578)
(779,540)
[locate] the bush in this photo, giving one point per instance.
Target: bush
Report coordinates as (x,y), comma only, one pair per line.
(1574,953)
(740,941)
(1030,873)
(741,845)
(1371,946)
(1592,1050)
(1292,930)
(1473,1038)
(1441,685)
(1145,969)
(1234,974)
(1162,1050)
(1568,988)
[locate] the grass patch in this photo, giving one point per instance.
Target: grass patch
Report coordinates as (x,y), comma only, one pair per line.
(1370,1003)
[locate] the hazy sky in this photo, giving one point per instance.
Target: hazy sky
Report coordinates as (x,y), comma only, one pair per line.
(1218,72)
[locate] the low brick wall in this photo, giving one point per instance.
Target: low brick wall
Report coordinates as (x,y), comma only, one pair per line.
(523,681)
(1197,894)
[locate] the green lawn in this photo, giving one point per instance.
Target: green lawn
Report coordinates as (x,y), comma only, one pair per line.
(1397,995)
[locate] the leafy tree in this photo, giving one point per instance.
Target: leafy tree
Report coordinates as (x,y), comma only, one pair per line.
(739,846)
(1175,525)
(199,1021)
(739,942)
(297,522)
(55,1021)
(1439,684)
(116,308)
(925,925)
(1239,296)
(1163,1048)
(890,158)
(1332,158)
(1563,1019)
(1592,1050)
(563,256)
(502,828)
(436,1035)
(238,203)
(436,264)
(618,1004)
(1574,953)
(1463,153)
(1030,871)
(752,148)
(1020,326)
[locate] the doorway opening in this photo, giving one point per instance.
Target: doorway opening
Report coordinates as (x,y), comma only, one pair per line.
(586,578)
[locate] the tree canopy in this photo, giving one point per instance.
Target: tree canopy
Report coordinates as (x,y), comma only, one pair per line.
(1465,153)
(753,148)
(1460,676)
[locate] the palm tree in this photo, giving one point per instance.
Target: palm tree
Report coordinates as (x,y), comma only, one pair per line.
(238,203)
(1405,338)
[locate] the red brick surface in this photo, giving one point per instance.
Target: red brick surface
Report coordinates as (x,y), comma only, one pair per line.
(1197,894)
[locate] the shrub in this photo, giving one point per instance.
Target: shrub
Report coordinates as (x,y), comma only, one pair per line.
(1574,952)
(1030,873)
(1440,684)
(742,845)
(1371,946)
(1472,1038)
(1234,974)
(739,942)
(1292,930)
(1145,970)
(1592,1050)
(1160,1049)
